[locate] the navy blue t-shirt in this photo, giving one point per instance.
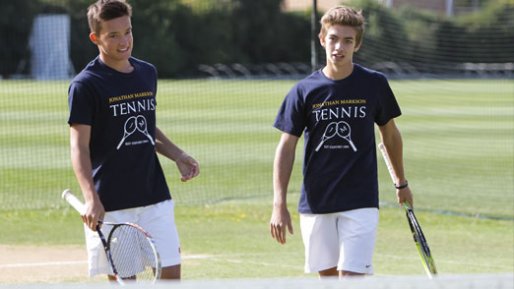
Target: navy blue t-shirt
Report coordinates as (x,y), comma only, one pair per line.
(120,108)
(337,119)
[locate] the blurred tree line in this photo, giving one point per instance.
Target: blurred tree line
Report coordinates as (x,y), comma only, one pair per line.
(179,35)
(429,42)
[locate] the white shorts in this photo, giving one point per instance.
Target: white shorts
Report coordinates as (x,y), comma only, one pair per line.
(158,220)
(345,240)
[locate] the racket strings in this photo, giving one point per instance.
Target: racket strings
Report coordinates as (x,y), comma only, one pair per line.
(133,253)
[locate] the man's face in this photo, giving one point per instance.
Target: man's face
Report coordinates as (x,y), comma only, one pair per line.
(340,44)
(114,40)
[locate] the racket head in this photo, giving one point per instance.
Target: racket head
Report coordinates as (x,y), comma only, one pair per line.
(343,129)
(130,126)
(141,124)
(133,253)
(330,132)
(421,242)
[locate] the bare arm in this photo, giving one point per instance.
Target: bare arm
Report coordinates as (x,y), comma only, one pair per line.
(80,136)
(282,169)
(187,166)
(392,140)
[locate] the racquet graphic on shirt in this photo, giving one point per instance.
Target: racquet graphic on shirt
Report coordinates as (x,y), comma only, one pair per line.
(129,249)
(132,124)
(344,130)
(330,132)
(128,129)
(341,129)
(143,128)
(417,233)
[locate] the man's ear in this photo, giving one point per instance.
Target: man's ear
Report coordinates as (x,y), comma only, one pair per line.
(93,38)
(321,40)
(358,47)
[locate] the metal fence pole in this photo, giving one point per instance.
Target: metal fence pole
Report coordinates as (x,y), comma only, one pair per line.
(314,35)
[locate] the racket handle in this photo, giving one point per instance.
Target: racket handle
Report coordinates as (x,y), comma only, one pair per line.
(387,161)
(406,206)
(74,201)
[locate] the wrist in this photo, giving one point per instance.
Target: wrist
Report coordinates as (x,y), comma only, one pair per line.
(181,156)
(280,204)
(401,185)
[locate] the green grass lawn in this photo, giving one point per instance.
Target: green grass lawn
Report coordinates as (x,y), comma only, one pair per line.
(458,139)
(231,240)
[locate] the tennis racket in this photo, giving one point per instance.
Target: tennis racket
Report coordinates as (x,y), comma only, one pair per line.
(128,129)
(330,132)
(130,251)
(417,233)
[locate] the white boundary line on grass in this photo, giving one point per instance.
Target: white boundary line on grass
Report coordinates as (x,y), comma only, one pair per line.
(81,262)
(224,259)
(42,264)
(237,261)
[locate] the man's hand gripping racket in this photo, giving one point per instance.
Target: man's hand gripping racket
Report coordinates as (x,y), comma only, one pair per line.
(417,233)
(129,249)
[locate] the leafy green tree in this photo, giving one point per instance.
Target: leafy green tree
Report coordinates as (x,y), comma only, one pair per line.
(16,19)
(385,38)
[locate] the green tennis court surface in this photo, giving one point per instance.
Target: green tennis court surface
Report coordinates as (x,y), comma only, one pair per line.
(459,143)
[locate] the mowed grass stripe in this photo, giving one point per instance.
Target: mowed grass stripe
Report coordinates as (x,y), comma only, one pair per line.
(456,135)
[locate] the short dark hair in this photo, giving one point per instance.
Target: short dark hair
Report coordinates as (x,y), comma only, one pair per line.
(105,10)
